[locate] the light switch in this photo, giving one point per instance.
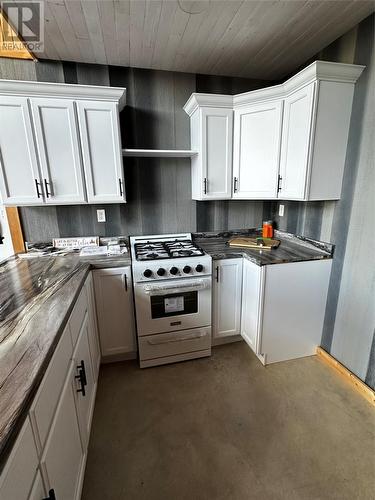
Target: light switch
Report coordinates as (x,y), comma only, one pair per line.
(281,210)
(100,215)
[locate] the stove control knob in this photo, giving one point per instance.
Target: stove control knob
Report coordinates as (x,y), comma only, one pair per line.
(173,270)
(199,268)
(147,273)
(187,269)
(160,271)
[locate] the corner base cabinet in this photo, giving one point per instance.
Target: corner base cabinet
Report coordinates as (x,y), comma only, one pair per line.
(115,312)
(283,308)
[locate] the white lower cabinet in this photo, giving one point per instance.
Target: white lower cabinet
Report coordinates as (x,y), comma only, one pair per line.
(226,301)
(37,491)
(93,327)
(84,385)
(115,311)
(49,456)
(283,308)
(63,459)
(251,304)
(16,480)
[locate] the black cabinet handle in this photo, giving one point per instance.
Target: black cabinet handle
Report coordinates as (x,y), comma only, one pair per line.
(37,184)
(46,184)
(235,185)
(126,282)
(205,185)
(51,495)
(279,183)
(217,274)
(120,184)
(81,377)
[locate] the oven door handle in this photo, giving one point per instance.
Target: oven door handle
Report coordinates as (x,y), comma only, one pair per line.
(177,288)
(190,336)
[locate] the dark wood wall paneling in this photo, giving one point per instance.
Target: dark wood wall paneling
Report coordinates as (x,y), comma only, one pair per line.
(158,189)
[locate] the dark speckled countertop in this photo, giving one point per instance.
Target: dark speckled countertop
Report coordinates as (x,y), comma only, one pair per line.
(36,298)
(291,249)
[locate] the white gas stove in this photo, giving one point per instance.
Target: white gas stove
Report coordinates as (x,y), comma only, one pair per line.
(172,290)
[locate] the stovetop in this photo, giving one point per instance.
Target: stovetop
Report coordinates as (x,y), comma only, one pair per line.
(156,250)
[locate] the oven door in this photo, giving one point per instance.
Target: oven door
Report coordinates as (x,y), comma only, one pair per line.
(166,306)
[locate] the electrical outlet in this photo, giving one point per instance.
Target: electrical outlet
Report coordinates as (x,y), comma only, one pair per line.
(281,210)
(100,214)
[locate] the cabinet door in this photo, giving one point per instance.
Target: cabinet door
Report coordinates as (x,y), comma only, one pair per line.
(37,491)
(84,385)
(256,150)
(93,328)
(17,478)
(216,157)
(251,304)
(19,173)
(226,304)
(295,143)
(58,145)
(114,302)
(101,150)
(63,458)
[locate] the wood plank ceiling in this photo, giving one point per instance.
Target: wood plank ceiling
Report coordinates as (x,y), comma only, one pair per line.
(256,39)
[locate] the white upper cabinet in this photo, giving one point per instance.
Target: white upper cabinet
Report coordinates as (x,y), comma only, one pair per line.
(19,173)
(256,150)
(298,115)
(101,150)
(289,140)
(211,129)
(48,154)
(59,152)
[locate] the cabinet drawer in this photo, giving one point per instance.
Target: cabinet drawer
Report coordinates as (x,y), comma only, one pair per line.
(77,316)
(19,473)
(171,344)
(45,402)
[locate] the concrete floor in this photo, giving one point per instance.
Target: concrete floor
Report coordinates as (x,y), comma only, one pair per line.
(225,427)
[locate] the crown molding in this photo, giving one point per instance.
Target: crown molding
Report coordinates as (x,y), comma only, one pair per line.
(316,71)
(197,100)
(64,91)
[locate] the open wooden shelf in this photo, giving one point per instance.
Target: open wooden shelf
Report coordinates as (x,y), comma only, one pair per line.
(160,153)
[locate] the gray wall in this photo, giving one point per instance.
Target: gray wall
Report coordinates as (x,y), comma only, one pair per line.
(349,223)
(159,190)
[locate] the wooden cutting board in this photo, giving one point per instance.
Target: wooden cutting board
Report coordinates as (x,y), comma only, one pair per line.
(244,242)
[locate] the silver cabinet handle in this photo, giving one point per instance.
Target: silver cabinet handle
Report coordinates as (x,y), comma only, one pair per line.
(279,183)
(235,184)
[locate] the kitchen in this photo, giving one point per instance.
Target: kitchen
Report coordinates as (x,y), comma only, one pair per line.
(163,172)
